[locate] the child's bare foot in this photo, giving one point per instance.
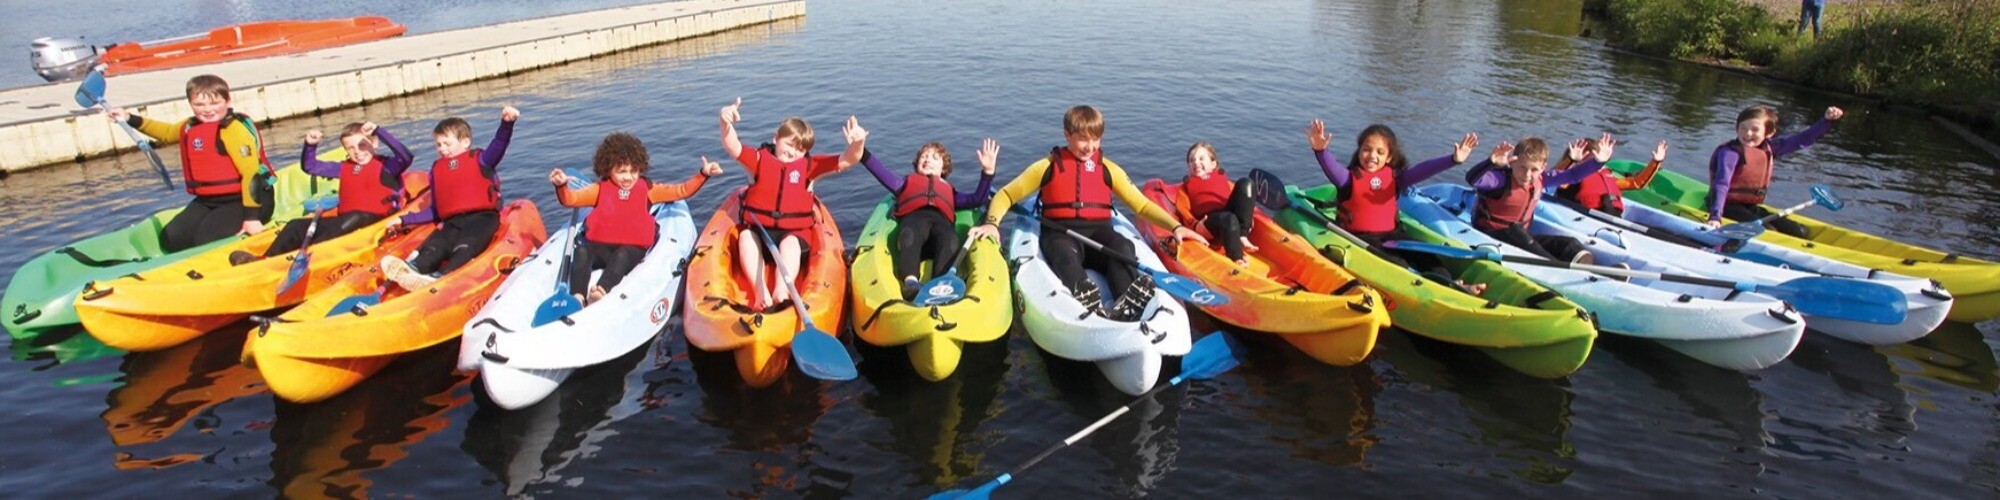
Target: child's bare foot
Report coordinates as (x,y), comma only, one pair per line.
(1247,245)
(596,294)
(1473,288)
(1243,262)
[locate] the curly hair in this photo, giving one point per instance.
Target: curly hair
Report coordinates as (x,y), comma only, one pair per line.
(944,154)
(620,148)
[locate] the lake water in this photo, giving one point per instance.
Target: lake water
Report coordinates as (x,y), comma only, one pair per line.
(1420,418)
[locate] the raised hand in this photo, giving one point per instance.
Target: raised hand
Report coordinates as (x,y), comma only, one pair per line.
(729,113)
(558,178)
(313,136)
(1463,150)
(1316,135)
(989,155)
(1660,152)
(120,114)
(509,114)
(368,128)
(710,168)
(1576,149)
(1605,145)
(1502,154)
(1834,113)
(855,134)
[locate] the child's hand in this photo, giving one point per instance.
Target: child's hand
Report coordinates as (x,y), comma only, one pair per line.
(1463,150)
(989,155)
(729,113)
(987,231)
(1604,146)
(1316,135)
(252,226)
(1660,152)
(1833,114)
(558,179)
(313,136)
(856,136)
(368,128)
(120,114)
(509,114)
(1186,234)
(1502,154)
(1576,149)
(710,168)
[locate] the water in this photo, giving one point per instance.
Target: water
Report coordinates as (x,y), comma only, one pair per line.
(1836,420)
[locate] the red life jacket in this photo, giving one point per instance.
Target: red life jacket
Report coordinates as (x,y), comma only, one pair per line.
(1596,192)
(1076,189)
(622,216)
(364,188)
(459,187)
(1368,205)
(778,196)
(1206,196)
(1514,207)
(1753,174)
(205,165)
(921,191)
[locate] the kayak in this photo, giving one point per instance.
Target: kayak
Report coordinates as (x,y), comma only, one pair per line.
(40,295)
(1746,331)
(718,317)
(1287,288)
(1127,352)
(521,363)
(1974,282)
(151,310)
(245,41)
(1517,321)
(314,352)
(935,335)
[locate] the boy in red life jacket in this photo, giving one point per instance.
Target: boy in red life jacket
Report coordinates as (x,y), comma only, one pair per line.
(1507,195)
(1077,185)
(371,187)
(465,201)
(1605,191)
(222,158)
(1739,172)
(780,197)
(620,230)
(1372,182)
(927,205)
(1222,207)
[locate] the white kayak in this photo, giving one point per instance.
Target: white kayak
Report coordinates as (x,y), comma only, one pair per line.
(1128,352)
(520,364)
(1746,331)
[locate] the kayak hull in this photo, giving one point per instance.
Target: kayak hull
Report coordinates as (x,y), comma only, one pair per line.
(1127,352)
(718,316)
(934,337)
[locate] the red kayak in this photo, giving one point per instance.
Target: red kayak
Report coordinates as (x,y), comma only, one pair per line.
(244,41)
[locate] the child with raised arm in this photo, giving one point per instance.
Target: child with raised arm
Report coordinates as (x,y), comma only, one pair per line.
(620,229)
(1605,191)
(780,197)
(1372,182)
(1739,172)
(222,165)
(371,187)
(927,205)
(465,202)
(1077,185)
(1508,194)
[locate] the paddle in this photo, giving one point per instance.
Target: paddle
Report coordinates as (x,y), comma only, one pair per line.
(820,355)
(562,303)
(1178,286)
(1215,353)
(301,261)
(1838,298)
(1821,195)
(1273,194)
(945,286)
(359,304)
(90,94)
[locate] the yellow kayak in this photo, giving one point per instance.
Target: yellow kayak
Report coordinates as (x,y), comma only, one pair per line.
(936,335)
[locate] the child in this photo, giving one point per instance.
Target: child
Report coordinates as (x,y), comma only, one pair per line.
(1077,185)
(370,187)
(1739,173)
(1507,195)
(620,230)
(780,198)
(1605,191)
(1373,180)
(1225,209)
(926,207)
(465,199)
(222,159)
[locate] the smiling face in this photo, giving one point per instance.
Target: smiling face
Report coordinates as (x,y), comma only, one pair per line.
(360,148)
(1083,146)
(1373,153)
(1752,132)
(930,161)
(1201,162)
(624,175)
(1526,167)
(449,145)
(209,107)
(787,147)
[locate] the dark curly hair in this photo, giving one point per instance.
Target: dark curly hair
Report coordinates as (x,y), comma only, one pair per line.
(620,148)
(943,154)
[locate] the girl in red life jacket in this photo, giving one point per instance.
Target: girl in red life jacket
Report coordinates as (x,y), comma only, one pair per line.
(465,201)
(780,197)
(1218,205)
(1373,179)
(1508,194)
(926,207)
(1605,191)
(1739,172)
(371,187)
(620,230)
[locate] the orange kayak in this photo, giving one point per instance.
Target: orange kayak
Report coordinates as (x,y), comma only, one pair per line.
(718,317)
(244,41)
(307,356)
(1288,288)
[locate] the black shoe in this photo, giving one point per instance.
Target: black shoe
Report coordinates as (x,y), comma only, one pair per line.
(240,257)
(1089,296)
(1133,302)
(910,285)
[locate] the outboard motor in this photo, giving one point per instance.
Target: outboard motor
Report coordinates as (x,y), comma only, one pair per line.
(61,59)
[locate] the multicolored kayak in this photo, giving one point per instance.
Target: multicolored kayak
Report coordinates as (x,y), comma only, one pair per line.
(314,352)
(41,293)
(1524,325)
(718,316)
(935,335)
(1975,283)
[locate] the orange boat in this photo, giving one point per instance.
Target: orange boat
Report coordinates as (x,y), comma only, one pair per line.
(718,316)
(244,41)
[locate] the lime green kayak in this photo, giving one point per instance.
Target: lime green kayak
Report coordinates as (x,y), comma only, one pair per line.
(40,295)
(1522,324)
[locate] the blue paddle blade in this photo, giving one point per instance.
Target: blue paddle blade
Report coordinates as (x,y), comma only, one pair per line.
(558,305)
(1447,251)
(91,92)
(983,492)
(1843,298)
(1824,196)
(821,356)
(1215,353)
(1185,289)
(297,273)
(320,203)
(940,290)
(1741,230)
(347,305)
(1761,258)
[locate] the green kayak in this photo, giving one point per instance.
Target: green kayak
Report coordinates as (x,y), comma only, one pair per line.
(1522,324)
(40,295)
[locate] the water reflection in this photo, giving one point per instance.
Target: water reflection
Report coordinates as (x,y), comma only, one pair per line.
(529,447)
(60,347)
(1319,412)
(1955,354)
(936,424)
(324,449)
(1868,409)
(166,389)
(1724,397)
(1521,419)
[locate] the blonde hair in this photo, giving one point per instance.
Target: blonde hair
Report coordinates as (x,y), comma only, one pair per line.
(1085,121)
(207,85)
(800,132)
(1533,148)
